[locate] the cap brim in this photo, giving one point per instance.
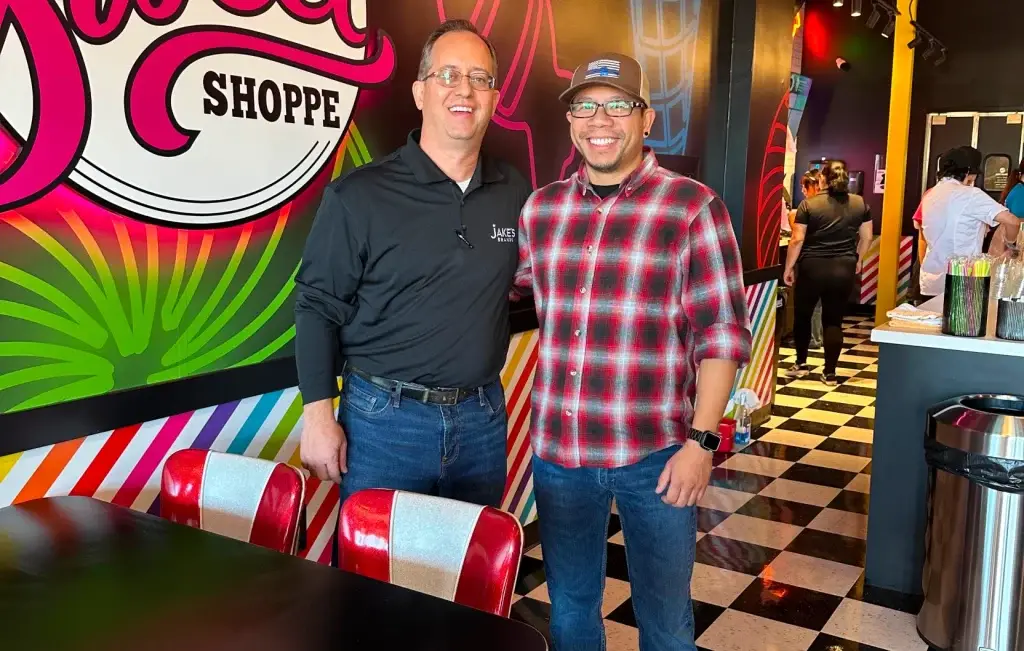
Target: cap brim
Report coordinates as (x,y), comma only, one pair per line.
(569,93)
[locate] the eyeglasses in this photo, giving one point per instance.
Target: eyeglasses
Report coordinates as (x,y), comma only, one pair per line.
(616,108)
(450,78)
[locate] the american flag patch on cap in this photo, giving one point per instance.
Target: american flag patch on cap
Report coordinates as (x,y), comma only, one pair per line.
(602,68)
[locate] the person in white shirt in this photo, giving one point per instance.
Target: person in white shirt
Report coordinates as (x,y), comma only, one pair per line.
(956,216)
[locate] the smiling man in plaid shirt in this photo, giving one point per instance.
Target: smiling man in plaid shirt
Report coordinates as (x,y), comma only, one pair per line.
(638,285)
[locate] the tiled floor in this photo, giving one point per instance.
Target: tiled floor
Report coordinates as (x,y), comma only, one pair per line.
(780,547)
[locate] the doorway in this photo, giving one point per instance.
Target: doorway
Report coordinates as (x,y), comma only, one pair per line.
(998,136)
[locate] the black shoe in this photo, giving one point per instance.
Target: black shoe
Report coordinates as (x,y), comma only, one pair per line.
(829,379)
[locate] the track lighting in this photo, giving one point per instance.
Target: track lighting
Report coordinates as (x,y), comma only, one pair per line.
(875,16)
(942,57)
(933,47)
(890,27)
(837,3)
(856,8)
(919,37)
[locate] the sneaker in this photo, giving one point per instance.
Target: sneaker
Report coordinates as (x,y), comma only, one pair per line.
(829,379)
(816,345)
(797,371)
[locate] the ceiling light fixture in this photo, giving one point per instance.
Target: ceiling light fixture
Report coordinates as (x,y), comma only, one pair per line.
(919,37)
(856,8)
(942,57)
(837,3)
(875,16)
(890,27)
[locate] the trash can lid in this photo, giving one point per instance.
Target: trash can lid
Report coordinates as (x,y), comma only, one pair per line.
(989,424)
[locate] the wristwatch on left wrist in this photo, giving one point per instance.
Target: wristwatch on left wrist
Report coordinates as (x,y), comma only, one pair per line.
(710,441)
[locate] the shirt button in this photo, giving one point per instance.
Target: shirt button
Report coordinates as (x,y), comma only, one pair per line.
(590,248)
(577,333)
(583,290)
(572,373)
(568,412)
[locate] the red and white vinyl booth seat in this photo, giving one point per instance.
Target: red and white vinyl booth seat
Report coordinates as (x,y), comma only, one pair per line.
(252,500)
(460,552)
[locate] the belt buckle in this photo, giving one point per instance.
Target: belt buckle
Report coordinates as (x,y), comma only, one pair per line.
(444,396)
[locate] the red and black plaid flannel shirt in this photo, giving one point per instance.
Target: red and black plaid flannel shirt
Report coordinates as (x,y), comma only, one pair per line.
(632,293)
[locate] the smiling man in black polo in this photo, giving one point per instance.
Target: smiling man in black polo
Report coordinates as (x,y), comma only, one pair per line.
(405,280)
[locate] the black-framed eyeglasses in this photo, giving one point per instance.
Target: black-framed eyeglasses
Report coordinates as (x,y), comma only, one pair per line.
(451,77)
(616,108)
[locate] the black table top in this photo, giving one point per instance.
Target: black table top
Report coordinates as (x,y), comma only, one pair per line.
(80,574)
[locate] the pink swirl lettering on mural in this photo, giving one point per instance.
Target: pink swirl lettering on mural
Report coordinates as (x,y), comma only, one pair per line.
(152,78)
(340,12)
(99,22)
(100,26)
(57,134)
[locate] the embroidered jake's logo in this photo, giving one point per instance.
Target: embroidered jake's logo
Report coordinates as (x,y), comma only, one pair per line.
(503,234)
(192,113)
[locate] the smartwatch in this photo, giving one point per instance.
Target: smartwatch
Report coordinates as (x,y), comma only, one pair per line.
(707,440)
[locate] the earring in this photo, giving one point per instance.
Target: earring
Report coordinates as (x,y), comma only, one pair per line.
(646,133)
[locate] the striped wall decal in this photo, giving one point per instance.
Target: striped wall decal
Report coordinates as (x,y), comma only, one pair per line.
(759,374)
(123,465)
(517,377)
(869,275)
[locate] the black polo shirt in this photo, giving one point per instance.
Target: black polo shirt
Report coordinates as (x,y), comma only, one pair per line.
(387,283)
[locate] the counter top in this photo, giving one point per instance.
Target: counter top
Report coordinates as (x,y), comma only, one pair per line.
(909,334)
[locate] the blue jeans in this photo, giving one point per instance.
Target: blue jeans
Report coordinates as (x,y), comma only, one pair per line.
(573,509)
(455,451)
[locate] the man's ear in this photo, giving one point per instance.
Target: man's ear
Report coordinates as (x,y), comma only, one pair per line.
(418,88)
(649,115)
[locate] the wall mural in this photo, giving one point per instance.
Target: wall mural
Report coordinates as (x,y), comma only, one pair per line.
(148,240)
(160,163)
(665,37)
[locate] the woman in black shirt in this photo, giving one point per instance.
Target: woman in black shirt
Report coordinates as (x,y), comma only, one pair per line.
(831,235)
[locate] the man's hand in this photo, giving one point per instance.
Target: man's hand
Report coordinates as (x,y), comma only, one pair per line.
(685,476)
(789,277)
(323,447)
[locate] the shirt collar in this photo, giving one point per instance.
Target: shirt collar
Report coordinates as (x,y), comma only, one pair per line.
(426,170)
(631,183)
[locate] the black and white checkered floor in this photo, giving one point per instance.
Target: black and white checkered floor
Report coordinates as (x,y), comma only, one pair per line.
(780,547)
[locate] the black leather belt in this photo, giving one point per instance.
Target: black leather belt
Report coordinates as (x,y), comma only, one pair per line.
(429,395)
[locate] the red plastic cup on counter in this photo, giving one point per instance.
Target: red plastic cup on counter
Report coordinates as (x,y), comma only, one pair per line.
(727,430)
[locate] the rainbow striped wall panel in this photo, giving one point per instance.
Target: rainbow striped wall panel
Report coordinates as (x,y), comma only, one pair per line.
(869,275)
(123,466)
(759,374)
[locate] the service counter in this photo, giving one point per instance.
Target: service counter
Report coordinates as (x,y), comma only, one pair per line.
(917,368)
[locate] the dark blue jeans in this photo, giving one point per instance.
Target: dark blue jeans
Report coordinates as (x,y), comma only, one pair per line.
(573,508)
(455,451)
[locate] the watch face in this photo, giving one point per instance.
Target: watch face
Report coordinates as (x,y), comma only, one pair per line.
(712,441)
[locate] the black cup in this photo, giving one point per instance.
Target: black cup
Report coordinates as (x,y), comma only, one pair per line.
(965,306)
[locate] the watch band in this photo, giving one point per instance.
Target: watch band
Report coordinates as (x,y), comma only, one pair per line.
(708,440)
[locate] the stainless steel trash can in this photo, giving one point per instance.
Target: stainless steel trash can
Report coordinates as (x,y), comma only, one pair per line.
(974,559)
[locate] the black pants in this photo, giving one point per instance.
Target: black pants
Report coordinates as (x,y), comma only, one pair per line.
(830,280)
